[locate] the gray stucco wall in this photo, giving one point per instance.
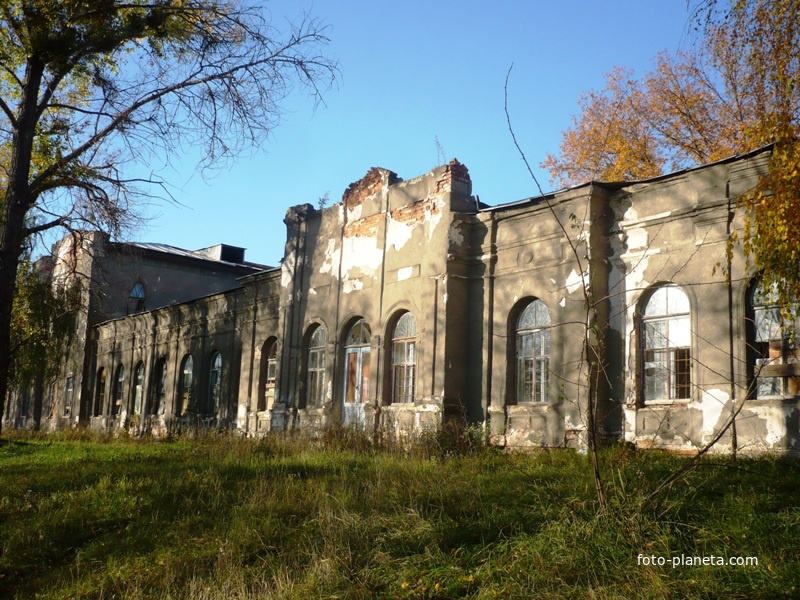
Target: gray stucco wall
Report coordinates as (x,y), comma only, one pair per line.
(593,255)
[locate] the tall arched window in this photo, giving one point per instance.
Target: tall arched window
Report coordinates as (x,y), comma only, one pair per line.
(138,389)
(185,386)
(357,363)
(315,395)
(159,388)
(774,355)
(118,397)
(533,353)
(215,383)
(100,393)
(666,344)
(268,374)
(51,400)
(69,392)
(404,358)
(137,298)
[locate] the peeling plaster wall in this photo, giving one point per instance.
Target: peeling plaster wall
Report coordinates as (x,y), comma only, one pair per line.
(465,272)
(198,328)
(533,260)
(674,230)
(381,251)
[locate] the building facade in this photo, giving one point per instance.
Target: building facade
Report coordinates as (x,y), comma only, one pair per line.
(410,303)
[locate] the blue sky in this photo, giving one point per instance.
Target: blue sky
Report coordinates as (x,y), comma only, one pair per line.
(412,73)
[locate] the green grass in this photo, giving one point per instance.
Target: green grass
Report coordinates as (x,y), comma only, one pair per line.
(89,517)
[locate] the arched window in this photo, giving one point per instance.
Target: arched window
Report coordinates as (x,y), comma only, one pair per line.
(666,342)
(404,357)
(215,383)
(69,391)
(159,388)
(185,386)
(118,397)
(357,363)
(51,400)
(268,374)
(138,389)
(533,353)
(774,356)
(100,393)
(137,297)
(315,395)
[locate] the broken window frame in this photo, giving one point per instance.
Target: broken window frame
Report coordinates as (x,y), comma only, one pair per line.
(184,399)
(268,374)
(138,389)
(665,331)
(271,376)
(358,347)
(51,398)
(100,393)
(404,359)
(69,391)
(118,395)
(137,298)
(316,367)
(157,406)
(773,350)
(214,383)
(532,353)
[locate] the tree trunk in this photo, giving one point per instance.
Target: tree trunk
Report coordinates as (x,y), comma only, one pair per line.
(19,199)
(11,234)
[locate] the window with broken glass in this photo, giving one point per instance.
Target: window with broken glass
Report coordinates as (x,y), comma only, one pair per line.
(138,389)
(268,374)
(69,390)
(316,367)
(160,388)
(404,343)
(100,393)
(357,363)
(773,346)
(666,327)
(533,353)
(185,386)
(118,397)
(136,302)
(214,384)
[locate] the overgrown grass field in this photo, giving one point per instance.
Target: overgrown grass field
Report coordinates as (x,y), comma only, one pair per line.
(221,517)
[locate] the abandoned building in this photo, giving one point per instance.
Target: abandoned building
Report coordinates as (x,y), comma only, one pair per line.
(410,303)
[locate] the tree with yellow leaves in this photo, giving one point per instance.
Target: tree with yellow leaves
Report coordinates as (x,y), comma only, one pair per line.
(735,90)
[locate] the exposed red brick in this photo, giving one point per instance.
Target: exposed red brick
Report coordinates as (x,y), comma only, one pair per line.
(366,227)
(458,171)
(454,171)
(415,213)
(358,191)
